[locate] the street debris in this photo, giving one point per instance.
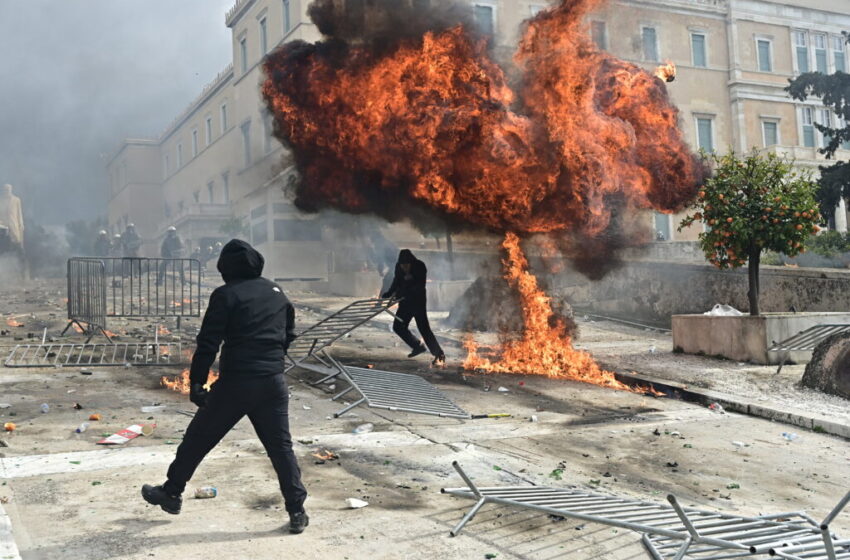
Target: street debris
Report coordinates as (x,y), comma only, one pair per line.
(206,492)
(364,428)
(354,503)
(153,408)
(789,436)
(45,408)
(324,455)
(722,310)
(82,427)
(503,390)
(77,406)
(715,407)
(125,435)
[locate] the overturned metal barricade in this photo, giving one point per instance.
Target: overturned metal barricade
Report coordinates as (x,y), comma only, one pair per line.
(671,532)
(395,391)
(807,340)
(87,296)
(104,354)
(312,343)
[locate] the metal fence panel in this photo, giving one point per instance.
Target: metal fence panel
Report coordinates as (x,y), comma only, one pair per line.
(87,293)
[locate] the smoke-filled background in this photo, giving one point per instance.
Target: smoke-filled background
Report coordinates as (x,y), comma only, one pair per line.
(78,76)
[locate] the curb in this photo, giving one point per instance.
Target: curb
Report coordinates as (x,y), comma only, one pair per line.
(733,404)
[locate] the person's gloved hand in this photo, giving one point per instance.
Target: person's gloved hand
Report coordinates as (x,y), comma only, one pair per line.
(197,394)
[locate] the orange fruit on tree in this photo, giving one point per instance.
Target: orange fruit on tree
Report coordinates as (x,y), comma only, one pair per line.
(799,227)
(728,220)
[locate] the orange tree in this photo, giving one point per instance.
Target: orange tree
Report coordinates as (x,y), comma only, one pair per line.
(750,204)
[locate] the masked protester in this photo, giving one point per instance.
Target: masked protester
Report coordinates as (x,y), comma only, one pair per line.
(409,284)
(256,321)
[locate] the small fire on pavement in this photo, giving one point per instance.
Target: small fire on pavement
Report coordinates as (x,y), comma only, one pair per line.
(324,455)
(180,383)
(162,330)
(12,322)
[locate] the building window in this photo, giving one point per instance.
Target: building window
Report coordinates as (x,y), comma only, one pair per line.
(662,227)
(765,56)
(225,187)
(705,134)
(179,156)
(208,130)
(194,142)
(259,233)
(165,166)
(599,34)
(807,118)
(838,54)
(770,133)
(267,133)
(842,123)
(211,192)
(246,143)
(536,9)
(801,44)
(698,53)
(223,118)
(650,44)
(820,53)
(243,53)
(824,119)
(287,18)
(484,18)
(264,37)
(259,211)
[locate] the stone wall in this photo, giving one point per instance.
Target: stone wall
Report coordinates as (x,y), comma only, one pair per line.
(653,291)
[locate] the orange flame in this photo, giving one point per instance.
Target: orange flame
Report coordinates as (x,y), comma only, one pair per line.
(666,71)
(77,328)
(180,383)
(12,322)
(162,330)
(545,347)
(325,455)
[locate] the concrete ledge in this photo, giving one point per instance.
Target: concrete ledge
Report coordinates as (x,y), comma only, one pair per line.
(747,338)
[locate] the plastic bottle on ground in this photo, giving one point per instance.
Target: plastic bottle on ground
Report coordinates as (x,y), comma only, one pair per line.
(206,492)
(364,428)
(82,427)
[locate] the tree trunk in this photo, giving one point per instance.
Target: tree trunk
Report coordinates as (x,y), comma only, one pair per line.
(450,249)
(753,274)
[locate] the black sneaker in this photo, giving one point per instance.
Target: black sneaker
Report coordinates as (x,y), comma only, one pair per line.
(417,351)
(156,495)
(298,522)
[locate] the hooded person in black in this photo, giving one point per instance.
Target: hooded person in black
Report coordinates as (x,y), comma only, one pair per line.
(255,321)
(409,285)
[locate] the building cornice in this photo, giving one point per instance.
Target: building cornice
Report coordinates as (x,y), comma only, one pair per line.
(130,142)
(212,88)
(237,11)
(716,8)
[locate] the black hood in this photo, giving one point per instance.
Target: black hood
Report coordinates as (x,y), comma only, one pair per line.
(406,256)
(239,261)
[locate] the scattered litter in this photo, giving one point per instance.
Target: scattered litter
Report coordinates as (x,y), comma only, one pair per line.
(653,349)
(364,428)
(715,407)
(739,445)
(125,435)
(305,407)
(332,387)
(656,432)
(95,417)
(86,372)
(154,408)
(354,503)
(789,436)
(595,481)
(672,464)
(490,555)
(534,418)
(733,486)
(486,388)
(4,499)
(185,413)
(96,483)
(722,310)
(45,408)
(3,443)
(82,427)
(9,426)
(675,434)
(75,462)
(5,405)
(206,492)
(557,474)
(504,390)
(688,446)
(497,468)
(77,406)
(71,391)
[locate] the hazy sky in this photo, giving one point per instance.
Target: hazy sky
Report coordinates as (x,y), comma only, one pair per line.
(77,76)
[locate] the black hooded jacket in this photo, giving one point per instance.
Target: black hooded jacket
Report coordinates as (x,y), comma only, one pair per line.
(409,285)
(250,314)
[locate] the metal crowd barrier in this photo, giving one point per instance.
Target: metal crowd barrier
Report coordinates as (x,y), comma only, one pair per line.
(131,287)
(391,390)
(673,532)
(87,295)
(103,355)
(807,340)
(313,342)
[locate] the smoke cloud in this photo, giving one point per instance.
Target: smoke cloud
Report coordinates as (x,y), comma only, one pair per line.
(81,75)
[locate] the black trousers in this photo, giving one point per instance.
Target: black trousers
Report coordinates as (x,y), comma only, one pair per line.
(265,400)
(415,310)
